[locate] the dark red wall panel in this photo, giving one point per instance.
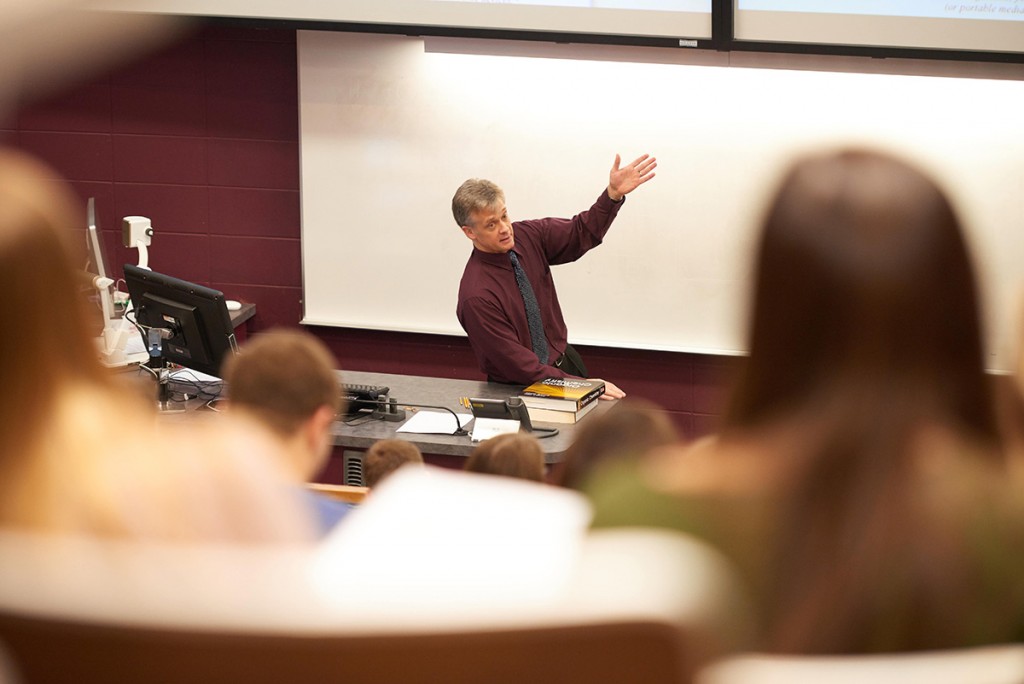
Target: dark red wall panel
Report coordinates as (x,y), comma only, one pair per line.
(77,156)
(255,212)
(202,137)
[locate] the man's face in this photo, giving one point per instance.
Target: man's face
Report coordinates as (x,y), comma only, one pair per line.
(491,230)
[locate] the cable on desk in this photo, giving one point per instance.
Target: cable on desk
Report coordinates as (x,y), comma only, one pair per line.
(144,367)
(212,403)
(208,390)
(204,389)
(138,326)
(356,422)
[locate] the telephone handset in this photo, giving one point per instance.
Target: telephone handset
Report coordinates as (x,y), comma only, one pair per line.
(519,412)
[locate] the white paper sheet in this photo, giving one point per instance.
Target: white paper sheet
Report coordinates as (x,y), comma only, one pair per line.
(434,423)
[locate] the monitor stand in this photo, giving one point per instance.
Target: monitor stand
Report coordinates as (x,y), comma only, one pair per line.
(163,392)
(158,366)
(114,343)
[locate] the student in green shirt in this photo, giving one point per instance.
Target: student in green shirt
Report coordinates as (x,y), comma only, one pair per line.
(859,482)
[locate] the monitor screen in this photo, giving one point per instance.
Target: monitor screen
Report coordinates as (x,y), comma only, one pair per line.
(669,21)
(199,327)
(97,264)
(994,26)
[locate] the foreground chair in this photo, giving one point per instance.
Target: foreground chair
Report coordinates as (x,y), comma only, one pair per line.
(51,650)
(629,605)
(347,493)
(992,665)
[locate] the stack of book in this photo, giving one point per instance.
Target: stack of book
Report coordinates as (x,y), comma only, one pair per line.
(561,400)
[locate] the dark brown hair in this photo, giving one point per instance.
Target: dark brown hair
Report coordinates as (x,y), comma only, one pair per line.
(864,289)
(630,429)
(865,332)
(386,456)
(283,377)
(516,455)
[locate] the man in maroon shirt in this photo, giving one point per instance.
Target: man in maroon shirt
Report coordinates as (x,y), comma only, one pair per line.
(493,308)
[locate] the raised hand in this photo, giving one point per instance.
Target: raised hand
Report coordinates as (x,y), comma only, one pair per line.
(626,179)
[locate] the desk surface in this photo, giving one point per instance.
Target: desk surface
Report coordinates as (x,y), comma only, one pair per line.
(239,317)
(360,433)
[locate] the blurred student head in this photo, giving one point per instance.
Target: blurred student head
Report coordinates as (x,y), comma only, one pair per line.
(47,343)
(385,456)
(286,380)
(631,429)
(864,290)
(512,455)
(79,452)
(866,349)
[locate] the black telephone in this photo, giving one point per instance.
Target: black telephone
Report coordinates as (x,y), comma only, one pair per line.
(362,398)
(512,408)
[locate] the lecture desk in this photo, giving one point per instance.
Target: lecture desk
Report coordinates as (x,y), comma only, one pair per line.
(240,321)
(360,433)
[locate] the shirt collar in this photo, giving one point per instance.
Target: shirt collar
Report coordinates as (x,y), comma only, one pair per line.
(494,259)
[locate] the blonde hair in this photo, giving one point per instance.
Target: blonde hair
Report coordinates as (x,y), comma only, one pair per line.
(47,342)
(82,454)
(108,467)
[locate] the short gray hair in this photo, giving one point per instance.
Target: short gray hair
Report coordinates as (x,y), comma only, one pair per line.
(474,194)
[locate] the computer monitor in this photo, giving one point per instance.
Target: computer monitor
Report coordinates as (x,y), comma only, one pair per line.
(199,331)
(97,264)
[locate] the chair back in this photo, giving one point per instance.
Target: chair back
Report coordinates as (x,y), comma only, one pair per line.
(347,493)
(990,665)
(54,650)
(405,590)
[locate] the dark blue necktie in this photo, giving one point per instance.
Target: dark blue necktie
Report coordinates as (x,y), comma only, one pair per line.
(537,337)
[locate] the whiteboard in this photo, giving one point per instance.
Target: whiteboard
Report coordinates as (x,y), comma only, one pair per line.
(391,126)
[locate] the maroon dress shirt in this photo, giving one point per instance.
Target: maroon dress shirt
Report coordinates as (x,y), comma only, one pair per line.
(491,309)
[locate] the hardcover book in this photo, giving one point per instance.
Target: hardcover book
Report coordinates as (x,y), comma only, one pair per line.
(562,394)
(541,415)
